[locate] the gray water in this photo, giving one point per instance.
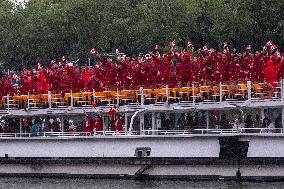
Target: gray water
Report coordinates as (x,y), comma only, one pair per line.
(46,183)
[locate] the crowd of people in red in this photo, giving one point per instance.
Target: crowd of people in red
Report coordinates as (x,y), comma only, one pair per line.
(178,67)
(95,124)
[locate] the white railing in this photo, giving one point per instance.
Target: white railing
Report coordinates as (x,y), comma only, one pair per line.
(241,131)
(248,92)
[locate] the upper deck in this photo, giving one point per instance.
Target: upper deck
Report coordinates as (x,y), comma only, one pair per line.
(179,99)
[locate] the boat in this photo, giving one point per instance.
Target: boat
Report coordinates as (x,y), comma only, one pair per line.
(144,150)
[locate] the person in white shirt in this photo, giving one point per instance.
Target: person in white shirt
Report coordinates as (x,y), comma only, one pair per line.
(238,125)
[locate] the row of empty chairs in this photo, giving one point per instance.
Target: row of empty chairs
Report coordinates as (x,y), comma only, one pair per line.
(194,93)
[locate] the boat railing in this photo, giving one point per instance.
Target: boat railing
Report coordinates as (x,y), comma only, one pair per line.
(239,131)
(196,93)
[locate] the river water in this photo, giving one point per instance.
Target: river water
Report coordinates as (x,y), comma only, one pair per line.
(47,183)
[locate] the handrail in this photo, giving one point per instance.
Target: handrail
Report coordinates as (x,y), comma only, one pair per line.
(240,131)
(246,92)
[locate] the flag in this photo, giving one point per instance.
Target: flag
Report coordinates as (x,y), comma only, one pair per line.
(93,51)
(173,43)
(277,54)
(205,48)
(189,43)
(63,58)
(157,47)
(39,66)
(117,51)
(53,61)
(269,43)
(248,47)
(272,48)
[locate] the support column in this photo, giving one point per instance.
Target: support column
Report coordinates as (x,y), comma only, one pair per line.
(125,121)
(62,124)
(21,125)
(249,91)
(177,115)
(262,114)
(158,121)
(207,120)
(282,115)
(220,93)
(141,123)
(153,121)
(49,99)
(104,123)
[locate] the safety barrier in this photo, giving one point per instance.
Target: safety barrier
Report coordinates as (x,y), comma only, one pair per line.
(196,93)
(240,131)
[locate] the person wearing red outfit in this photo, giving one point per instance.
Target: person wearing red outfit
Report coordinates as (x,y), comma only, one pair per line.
(270,75)
(97,125)
(42,86)
(87,128)
(117,125)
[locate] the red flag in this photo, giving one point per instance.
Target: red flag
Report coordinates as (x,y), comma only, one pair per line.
(93,51)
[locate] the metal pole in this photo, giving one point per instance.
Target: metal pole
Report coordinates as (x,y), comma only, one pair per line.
(21,125)
(71,99)
(142,96)
(29,101)
(49,99)
(249,91)
(176,120)
(117,97)
(281,89)
(220,93)
(104,123)
(207,120)
(282,115)
(262,114)
(142,123)
(62,126)
(94,94)
(153,122)
(193,95)
(8,102)
(167,94)
(126,121)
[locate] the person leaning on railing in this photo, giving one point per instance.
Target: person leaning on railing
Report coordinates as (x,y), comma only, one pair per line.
(249,124)
(268,125)
(238,125)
